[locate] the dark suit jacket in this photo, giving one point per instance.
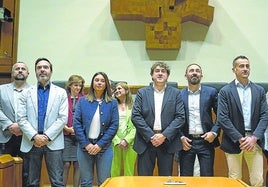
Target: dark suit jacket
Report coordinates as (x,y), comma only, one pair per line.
(230,116)
(172,118)
(208,101)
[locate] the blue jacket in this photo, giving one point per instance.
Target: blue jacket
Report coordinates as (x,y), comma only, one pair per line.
(208,101)
(172,118)
(109,120)
(231,120)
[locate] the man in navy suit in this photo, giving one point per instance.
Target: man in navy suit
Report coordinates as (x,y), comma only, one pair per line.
(243,117)
(158,114)
(199,134)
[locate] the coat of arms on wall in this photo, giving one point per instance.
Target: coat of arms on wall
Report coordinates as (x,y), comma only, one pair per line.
(163,18)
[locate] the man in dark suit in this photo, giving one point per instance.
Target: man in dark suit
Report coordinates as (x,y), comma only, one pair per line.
(243,117)
(199,134)
(158,114)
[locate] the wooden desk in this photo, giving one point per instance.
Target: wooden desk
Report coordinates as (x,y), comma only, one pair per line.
(157,181)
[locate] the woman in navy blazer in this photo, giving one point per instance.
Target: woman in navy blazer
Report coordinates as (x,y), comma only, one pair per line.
(96,121)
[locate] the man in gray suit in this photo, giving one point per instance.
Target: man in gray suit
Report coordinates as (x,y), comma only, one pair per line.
(42,114)
(10,133)
(158,114)
(243,116)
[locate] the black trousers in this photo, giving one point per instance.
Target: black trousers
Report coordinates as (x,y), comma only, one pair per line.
(205,153)
(146,161)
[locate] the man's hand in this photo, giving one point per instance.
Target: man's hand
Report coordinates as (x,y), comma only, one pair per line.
(247,143)
(40,140)
(186,146)
(158,139)
(15,129)
(209,136)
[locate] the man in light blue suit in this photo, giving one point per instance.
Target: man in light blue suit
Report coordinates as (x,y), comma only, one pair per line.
(243,116)
(10,133)
(158,114)
(42,114)
(199,134)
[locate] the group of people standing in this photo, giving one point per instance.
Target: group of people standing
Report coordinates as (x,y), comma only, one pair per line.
(106,128)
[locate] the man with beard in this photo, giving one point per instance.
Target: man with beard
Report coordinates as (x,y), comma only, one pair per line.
(243,117)
(158,114)
(42,114)
(199,134)
(10,133)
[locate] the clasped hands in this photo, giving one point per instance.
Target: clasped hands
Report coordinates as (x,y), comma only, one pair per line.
(93,149)
(123,144)
(247,143)
(157,139)
(40,140)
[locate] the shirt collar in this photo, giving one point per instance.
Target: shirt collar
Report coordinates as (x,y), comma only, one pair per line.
(40,86)
(238,84)
(195,92)
(160,91)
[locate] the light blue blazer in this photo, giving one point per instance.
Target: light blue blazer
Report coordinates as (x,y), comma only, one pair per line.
(7,110)
(55,120)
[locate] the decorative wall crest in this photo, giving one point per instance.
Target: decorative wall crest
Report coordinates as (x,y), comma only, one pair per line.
(163,18)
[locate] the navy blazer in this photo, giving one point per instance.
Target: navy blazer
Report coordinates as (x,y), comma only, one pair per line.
(109,119)
(172,118)
(231,120)
(208,101)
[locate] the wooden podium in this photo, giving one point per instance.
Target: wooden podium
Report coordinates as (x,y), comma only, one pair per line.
(10,171)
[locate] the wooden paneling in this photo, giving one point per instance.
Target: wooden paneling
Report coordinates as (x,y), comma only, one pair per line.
(8,40)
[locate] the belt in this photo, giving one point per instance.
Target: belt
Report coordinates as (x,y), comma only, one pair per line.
(157,131)
(195,136)
(248,132)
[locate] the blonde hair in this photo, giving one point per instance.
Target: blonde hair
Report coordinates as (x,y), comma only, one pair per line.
(74,79)
(129,100)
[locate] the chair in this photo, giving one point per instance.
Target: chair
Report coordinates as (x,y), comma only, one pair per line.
(61,84)
(217,85)
(264,85)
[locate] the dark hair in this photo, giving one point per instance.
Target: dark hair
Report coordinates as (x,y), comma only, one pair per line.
(191,65)
(160,64)
(45,59)
(239,57)
(107,95)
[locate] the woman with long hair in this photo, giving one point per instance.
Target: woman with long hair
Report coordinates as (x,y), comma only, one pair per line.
(124,138)
(96,122)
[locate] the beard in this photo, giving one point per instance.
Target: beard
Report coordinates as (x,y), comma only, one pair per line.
(20,77)
(195,80)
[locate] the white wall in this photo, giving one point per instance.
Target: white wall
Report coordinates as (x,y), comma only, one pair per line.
(80,37)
